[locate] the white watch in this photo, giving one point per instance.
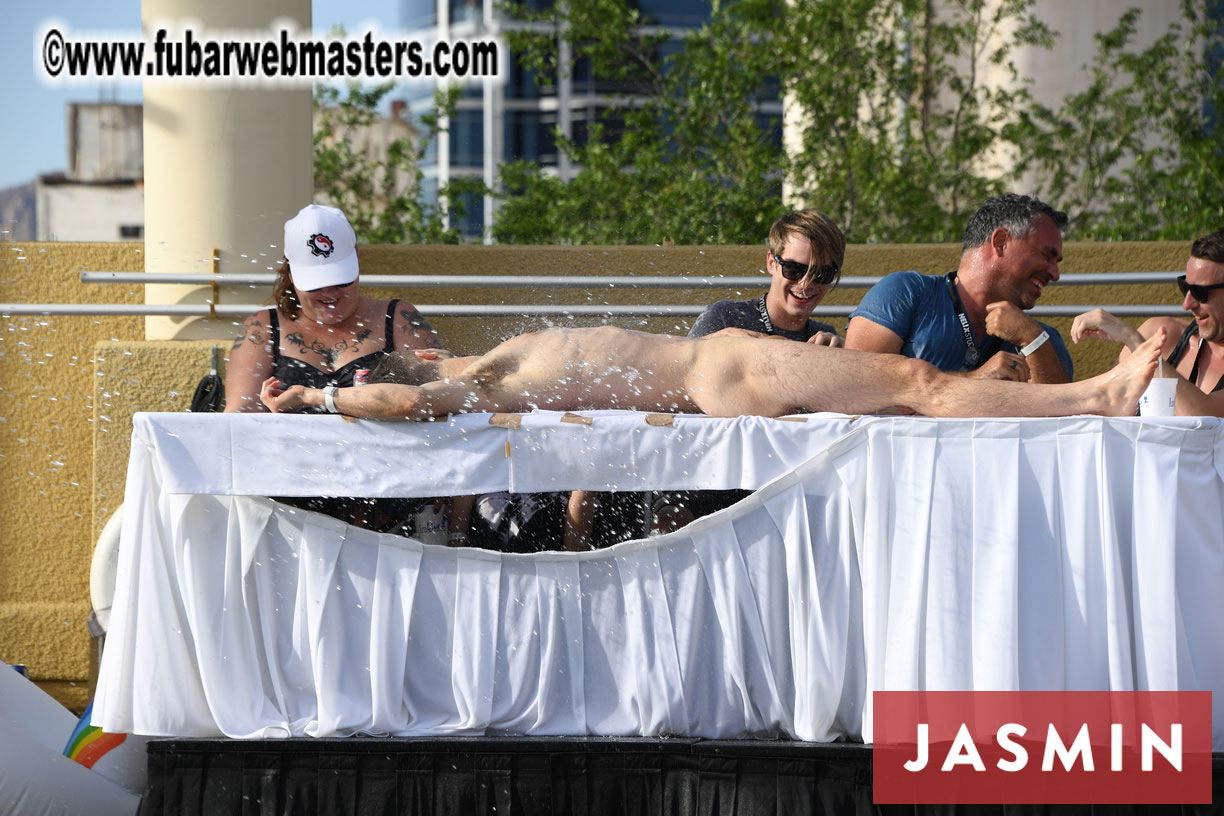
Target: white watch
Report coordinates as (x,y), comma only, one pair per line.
(329,398)
(1037,343)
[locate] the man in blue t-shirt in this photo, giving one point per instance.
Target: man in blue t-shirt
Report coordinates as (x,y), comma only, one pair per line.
(973,319)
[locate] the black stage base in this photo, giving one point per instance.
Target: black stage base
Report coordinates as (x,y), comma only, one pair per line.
(537,775)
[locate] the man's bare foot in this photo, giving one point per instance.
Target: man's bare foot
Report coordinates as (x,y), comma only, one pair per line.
(1123,385)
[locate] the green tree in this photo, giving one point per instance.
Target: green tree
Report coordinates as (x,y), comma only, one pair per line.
(1138,154)
(381,196)
(682,158)
(897,140)
(912,113)
(901,133)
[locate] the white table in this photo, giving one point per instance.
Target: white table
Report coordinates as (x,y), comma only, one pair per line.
(882,553)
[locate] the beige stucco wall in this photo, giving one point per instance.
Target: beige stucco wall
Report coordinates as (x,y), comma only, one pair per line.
(46,456)
(69,386)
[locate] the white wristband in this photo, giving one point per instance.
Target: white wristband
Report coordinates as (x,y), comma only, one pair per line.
(329,399)
(1037,343)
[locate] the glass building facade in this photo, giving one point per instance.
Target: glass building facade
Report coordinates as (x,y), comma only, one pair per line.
(518,118)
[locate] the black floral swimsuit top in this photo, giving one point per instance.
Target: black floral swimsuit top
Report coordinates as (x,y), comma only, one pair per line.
(381,514)
(1179,351)
(295,371)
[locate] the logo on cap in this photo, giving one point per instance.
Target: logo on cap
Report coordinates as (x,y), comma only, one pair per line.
(320,244)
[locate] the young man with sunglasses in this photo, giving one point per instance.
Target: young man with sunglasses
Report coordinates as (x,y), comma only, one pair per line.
(804,261)
(1194,350)
(972,319)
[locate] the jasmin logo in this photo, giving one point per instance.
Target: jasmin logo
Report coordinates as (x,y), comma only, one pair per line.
(1042,747)
(963,750)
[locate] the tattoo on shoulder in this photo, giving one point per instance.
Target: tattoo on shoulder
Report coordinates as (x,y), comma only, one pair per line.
(425,338)
(251,332)
(413,318)
(363,334)
(422,334)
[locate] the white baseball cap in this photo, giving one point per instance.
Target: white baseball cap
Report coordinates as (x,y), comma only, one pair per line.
(321,248)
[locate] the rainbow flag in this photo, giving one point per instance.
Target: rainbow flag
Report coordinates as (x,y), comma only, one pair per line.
(89,743)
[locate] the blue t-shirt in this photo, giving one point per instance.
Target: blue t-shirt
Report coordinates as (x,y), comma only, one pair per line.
(919,310)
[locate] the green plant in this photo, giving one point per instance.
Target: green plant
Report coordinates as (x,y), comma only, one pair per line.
(1138,154)
(381,195)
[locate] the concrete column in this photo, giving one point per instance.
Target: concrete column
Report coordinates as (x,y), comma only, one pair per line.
(494,119)
(225,167)
(442,32)
(565,92)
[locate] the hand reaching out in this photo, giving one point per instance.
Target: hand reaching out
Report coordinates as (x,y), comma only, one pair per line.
(1102,325)
(830,339)
(433,354)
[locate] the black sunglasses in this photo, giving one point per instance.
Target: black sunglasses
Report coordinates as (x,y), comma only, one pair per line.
(1197,290)
(793,271)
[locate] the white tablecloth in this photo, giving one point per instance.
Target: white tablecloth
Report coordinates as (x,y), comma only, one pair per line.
(884,553)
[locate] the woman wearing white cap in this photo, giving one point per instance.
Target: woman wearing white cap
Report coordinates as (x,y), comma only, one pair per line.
(319,332)
(321,328)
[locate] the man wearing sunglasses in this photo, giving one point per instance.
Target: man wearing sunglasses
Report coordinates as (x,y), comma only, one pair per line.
(804,261)
(972,319)
(1195,349)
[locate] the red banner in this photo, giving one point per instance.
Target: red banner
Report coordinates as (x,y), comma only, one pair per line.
(1054,747)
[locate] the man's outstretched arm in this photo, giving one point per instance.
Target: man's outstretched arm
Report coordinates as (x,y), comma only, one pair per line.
(1101,324)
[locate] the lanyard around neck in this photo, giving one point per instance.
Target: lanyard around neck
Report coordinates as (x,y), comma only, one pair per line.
(973,355)
(769,327)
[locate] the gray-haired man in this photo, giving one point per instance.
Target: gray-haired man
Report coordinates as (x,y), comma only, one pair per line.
(972,320)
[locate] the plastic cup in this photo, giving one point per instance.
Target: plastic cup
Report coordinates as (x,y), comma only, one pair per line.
(1160,398)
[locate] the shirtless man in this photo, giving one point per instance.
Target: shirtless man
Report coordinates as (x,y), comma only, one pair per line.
(1194,350)
(607,367)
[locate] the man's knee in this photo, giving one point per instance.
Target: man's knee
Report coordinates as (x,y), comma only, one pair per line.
(920,371)
(924,378)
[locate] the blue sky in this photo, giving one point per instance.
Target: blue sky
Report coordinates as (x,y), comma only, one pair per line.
(32,136)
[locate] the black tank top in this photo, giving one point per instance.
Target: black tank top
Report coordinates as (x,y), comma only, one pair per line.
(295,371)
(1179,351)
(381,514)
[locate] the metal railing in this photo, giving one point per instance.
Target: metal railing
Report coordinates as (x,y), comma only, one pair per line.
(574,281)
(213,309)
(506,310)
